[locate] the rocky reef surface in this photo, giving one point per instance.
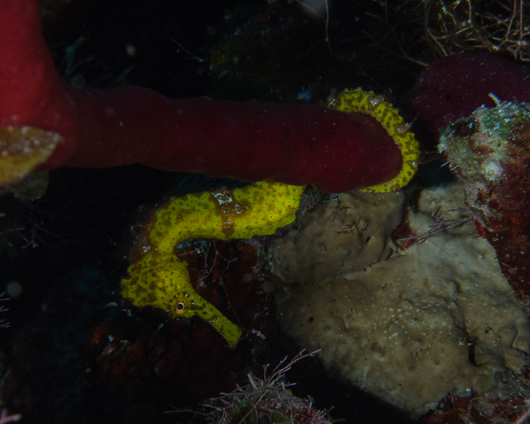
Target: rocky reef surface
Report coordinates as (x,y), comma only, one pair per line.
(418,322)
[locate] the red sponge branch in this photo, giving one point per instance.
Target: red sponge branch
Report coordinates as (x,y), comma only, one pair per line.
(249,141)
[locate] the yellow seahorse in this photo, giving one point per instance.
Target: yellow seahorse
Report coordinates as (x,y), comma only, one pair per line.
(156,277)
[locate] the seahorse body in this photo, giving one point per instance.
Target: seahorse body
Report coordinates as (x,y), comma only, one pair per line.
(156,277)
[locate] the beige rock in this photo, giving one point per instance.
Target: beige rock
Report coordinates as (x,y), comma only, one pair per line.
(436,318)
(338,237)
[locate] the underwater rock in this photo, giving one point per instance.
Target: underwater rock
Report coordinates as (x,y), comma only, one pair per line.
(338,237)
(436,318)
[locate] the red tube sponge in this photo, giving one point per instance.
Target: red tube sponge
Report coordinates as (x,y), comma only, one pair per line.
(249,141)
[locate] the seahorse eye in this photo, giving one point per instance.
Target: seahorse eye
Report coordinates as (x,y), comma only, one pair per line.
(179,306)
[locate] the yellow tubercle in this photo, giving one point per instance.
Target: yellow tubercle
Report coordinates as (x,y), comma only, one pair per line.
(158,278)
(376,106)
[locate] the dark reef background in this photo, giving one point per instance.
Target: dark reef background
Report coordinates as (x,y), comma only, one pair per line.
(75,352)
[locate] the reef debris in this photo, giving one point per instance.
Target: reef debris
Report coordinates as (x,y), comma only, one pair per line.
(490,153)
(266,400)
